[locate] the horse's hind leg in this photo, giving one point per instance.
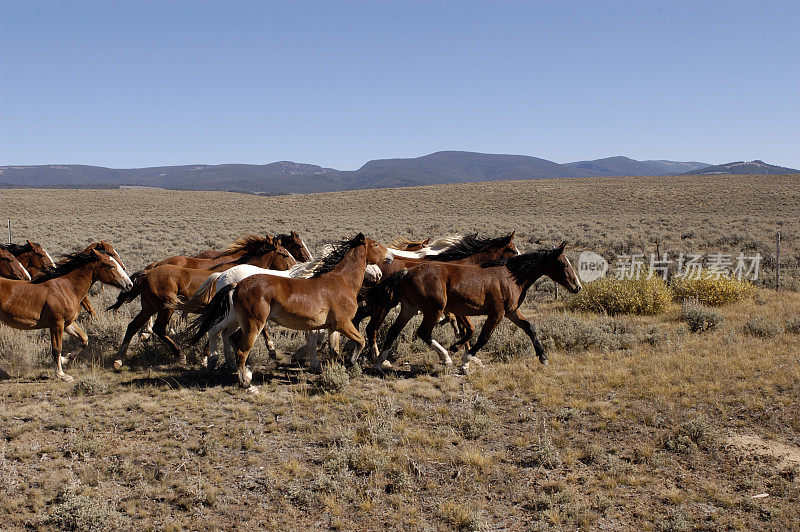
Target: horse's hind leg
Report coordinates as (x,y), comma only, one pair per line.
(251,328)
(273,354)
(519,320)
(407,312)
(425,333)
(136,323)
(351,331)
(160,328)
(56,337)
(73,329)
(467,332)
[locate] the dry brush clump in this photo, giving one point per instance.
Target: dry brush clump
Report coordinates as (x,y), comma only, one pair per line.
(710,290)
(612,296)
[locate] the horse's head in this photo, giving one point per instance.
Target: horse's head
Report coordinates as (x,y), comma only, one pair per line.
(410,245)
(504,247)
(295,245)
(281,259)
(108,249)
(110,271)
(377,253)
(559,269)
(11,267)
(40,259)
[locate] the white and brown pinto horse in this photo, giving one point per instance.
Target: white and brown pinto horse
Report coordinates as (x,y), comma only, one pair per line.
(495,289)
(327,300)
(53,300)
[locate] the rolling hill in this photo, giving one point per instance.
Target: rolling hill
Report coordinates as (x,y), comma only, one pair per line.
(286,177)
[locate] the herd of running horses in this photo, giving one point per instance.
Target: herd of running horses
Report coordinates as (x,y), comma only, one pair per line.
(260,279)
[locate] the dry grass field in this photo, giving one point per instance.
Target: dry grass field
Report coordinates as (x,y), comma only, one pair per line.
(637,423)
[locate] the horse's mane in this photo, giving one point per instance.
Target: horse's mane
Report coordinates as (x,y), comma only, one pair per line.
(332,255)
(283,237)
(247,243)
(467,246)
(16,249)
(67,264)
(401,242)
(520,265)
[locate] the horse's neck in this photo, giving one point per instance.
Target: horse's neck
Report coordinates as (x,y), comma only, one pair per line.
(526,281)
(79,280)
(351,268)
(227,258)
(26,259)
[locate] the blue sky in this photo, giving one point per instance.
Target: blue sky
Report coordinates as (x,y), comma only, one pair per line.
(146,83)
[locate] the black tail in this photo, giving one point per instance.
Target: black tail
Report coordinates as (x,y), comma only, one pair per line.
(126,296)
(212,314)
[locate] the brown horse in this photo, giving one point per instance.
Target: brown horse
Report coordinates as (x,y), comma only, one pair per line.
(294,245)
(53,300)
(32,256)
(470,249)
(11,268)
(161,287)
(404,244)
(327,300)
(495,290)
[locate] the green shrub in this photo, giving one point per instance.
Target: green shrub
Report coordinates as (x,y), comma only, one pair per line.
(762,327)
(624,296)
(793,325)
(700,318)
(334,377)
(711,291)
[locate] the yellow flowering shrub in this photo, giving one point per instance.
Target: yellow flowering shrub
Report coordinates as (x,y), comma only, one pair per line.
(710,291)
(609,295)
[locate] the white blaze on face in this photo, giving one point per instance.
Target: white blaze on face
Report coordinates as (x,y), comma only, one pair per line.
(114,252)
(578,281)
(52,262)
(517,249)
(121,272)
(25,273)
(310,256)
(406,254)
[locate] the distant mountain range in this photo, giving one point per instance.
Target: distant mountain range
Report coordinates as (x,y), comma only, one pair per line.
(287,177)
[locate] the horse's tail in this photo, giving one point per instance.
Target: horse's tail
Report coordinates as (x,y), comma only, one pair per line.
(126,296)
(202,296)
(216,310)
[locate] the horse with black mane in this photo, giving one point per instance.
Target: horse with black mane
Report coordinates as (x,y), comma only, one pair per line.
(327,300)
(53,299)
(495,289)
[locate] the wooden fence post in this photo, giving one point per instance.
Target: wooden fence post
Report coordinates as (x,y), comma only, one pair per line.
(9,230)
(778,261)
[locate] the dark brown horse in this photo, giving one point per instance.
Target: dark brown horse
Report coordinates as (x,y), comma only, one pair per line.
(469,249)
(495,290)
(327,300)
(53,300)
(11,268)
(161,287)
(294,245)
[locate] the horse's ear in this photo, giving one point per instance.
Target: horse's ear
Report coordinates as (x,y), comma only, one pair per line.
(269,239)
(561,246)
(29,243)
(510,236)
(426,241)
(360,238)
(294,234)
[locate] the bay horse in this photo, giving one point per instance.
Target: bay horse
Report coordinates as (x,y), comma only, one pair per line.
(495,289)
(228,325)
(11,268)
(327,300)
(161,287)
(291,241)
(53,299)
(469,249)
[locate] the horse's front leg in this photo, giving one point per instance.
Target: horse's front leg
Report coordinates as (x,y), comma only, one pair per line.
(519,320)
(491,323)
(56,337)
(73,329)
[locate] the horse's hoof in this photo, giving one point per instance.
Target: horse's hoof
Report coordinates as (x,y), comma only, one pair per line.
(117,365)
(464,368)
(249,375)
(253,390)
(478,362)
(543,361)
(447,361)
(66,378)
